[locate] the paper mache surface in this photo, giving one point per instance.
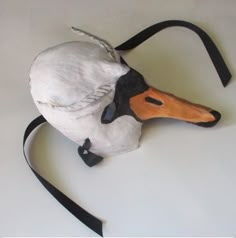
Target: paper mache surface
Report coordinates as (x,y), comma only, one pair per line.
(71,84)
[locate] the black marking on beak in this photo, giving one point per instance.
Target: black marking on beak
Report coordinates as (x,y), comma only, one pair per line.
(127,86)
(109,113)
(217,117)
(153,101)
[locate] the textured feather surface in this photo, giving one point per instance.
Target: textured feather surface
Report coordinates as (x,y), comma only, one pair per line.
(71,84)
(73,75)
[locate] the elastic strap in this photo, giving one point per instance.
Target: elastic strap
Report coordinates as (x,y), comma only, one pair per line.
(85,217)
(211,48)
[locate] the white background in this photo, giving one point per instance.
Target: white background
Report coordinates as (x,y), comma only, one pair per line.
(180,182)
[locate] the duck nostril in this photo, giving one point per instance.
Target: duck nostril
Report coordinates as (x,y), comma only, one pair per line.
(153,101)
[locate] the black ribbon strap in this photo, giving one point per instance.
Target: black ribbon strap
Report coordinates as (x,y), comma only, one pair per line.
(89,220)
(211,48)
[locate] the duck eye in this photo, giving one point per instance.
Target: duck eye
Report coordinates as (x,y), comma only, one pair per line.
(153,101)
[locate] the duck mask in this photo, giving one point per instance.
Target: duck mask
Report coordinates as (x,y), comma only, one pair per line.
(90,94)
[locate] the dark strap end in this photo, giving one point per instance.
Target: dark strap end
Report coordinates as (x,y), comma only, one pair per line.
(88,157)
(225,79)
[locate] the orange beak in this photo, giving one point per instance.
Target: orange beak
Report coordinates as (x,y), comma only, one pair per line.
(154,103)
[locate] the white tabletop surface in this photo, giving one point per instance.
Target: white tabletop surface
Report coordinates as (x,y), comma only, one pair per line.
(180,182)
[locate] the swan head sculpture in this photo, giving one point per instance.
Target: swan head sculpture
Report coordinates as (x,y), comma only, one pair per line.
(85,91)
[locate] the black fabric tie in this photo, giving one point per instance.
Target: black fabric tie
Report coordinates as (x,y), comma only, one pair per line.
(89,220)
(87,156)
(211,48)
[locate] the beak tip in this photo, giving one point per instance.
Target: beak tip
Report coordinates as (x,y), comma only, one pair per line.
(217,117)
